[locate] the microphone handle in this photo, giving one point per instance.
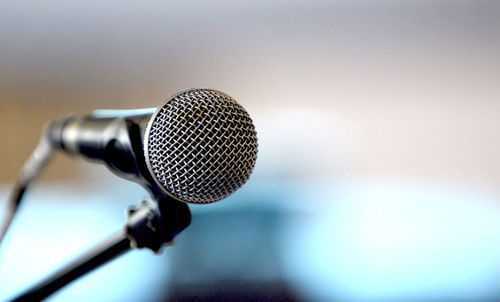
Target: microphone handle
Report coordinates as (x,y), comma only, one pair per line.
(85,135)
(114,141)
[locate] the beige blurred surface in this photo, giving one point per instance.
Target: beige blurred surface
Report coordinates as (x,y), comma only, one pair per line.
(363,89)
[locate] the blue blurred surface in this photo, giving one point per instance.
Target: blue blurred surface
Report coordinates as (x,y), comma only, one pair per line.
(285,240)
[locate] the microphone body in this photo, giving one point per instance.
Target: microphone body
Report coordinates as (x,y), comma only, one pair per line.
(199,147)
(113,139)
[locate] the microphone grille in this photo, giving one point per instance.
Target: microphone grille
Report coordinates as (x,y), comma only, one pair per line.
(201,146)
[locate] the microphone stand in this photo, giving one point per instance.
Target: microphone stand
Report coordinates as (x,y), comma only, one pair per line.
(149,225)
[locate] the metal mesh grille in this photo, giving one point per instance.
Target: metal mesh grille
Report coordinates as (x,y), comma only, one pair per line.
(201,146)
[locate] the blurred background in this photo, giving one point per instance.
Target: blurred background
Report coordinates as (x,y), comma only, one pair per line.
(377,175)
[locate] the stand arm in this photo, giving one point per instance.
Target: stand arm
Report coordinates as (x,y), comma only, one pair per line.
(147,226)
(106,251)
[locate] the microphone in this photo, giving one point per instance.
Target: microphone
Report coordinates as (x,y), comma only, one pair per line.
(199,147)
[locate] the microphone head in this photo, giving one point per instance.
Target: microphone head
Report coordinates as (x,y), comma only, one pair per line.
(200,146)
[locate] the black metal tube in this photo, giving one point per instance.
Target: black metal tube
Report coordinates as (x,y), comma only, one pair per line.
(113,247)
(147,227)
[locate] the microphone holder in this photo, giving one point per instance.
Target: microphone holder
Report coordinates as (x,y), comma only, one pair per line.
(149,225)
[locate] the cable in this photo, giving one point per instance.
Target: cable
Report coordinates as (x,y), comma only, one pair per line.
(31,169)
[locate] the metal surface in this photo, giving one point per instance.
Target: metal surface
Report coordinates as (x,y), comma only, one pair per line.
(200,146)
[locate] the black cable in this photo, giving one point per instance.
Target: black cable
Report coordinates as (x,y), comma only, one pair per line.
(31,169)
(12,206)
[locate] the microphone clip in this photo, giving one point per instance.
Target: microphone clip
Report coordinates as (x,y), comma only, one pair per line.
(154,225)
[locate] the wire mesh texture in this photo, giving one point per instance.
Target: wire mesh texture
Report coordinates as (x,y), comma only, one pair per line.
(201,146)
